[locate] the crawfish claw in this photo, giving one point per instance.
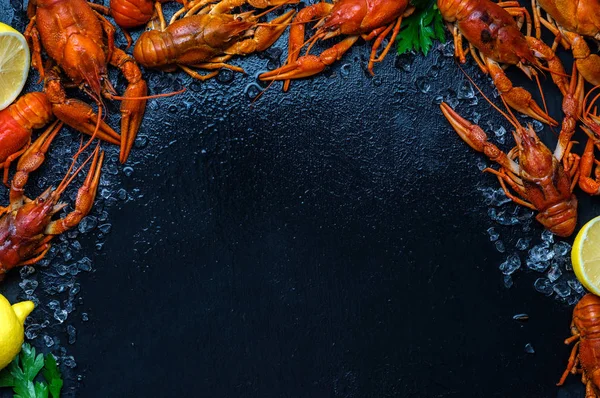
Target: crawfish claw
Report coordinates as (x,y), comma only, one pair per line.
(132,112)
(472,134)
(82,117)
(305,66)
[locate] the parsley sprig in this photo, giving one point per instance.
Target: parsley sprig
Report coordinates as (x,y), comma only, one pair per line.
(420,29)
(23,371)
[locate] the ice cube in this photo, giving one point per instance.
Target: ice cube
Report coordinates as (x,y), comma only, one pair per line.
(512,263)
(493,234)
(554,272)
(523,243)
(529,349)
(543,285)
(562,289)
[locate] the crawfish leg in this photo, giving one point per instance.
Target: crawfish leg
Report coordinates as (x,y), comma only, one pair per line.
(218,63)
(296,38)
(264,36)
(506,178)
(572,106)
(10,159)
(43,250)
(516,97)
(538,20)
(33,38)
(557,71)
(84,201)
(197,75)
(570,366)
(132,107)
(514,8)
(310,65)
(31,160)
(109,30)
(226,6)
(586,182)
(379,40)
(459,52)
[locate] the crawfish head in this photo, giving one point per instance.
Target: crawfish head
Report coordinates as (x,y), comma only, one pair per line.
(546,184)
(32,218)
(23,231)
(534,157)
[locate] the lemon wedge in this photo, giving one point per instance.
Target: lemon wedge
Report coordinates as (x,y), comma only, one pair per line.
(14,64)
(585,256)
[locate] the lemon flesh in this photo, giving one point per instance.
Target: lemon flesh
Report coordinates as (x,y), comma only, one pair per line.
(14,64)
(585,256)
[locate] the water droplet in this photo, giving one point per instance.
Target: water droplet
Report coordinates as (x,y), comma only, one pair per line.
(195,86)
(252,90)
(225,76)
(422,83)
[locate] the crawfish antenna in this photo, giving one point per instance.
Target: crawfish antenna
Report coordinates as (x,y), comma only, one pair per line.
(146,97)
(69,177)
(511,119)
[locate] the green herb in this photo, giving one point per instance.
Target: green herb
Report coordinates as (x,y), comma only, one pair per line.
(420,29)
(22,372)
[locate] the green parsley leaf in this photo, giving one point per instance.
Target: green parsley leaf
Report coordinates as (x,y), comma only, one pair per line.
(53,376)
(30,362)
(420,29)
(22,372)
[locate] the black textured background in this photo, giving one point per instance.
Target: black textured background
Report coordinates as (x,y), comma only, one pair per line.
(327,242)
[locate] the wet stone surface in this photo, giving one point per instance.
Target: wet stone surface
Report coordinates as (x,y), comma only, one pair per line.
(337,240)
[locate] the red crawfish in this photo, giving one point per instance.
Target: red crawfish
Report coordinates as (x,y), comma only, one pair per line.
(591,126)
(572,21)
(208,36)
(369,19)
(26,226)
(81,42)
(543,181)
(585,356)
(495,40)
(17,122)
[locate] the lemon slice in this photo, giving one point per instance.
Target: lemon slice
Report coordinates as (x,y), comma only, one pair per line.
(585,256)
(14,64)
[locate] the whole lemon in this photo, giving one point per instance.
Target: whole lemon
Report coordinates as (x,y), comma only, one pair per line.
(11,328)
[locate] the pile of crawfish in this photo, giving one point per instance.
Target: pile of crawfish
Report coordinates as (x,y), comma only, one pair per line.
(531,174)
(73,43)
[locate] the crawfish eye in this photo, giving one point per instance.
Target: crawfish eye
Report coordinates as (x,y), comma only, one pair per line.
(41,200)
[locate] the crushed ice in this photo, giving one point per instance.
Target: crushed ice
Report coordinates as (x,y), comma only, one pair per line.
(529,250)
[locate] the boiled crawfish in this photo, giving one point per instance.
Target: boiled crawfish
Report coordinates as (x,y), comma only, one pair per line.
(81,42)
(591,127)
(207,36)
(571,21)
(543,181)
(369,19)
(585,356)
(31,111)
(26,226)
(495,38)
